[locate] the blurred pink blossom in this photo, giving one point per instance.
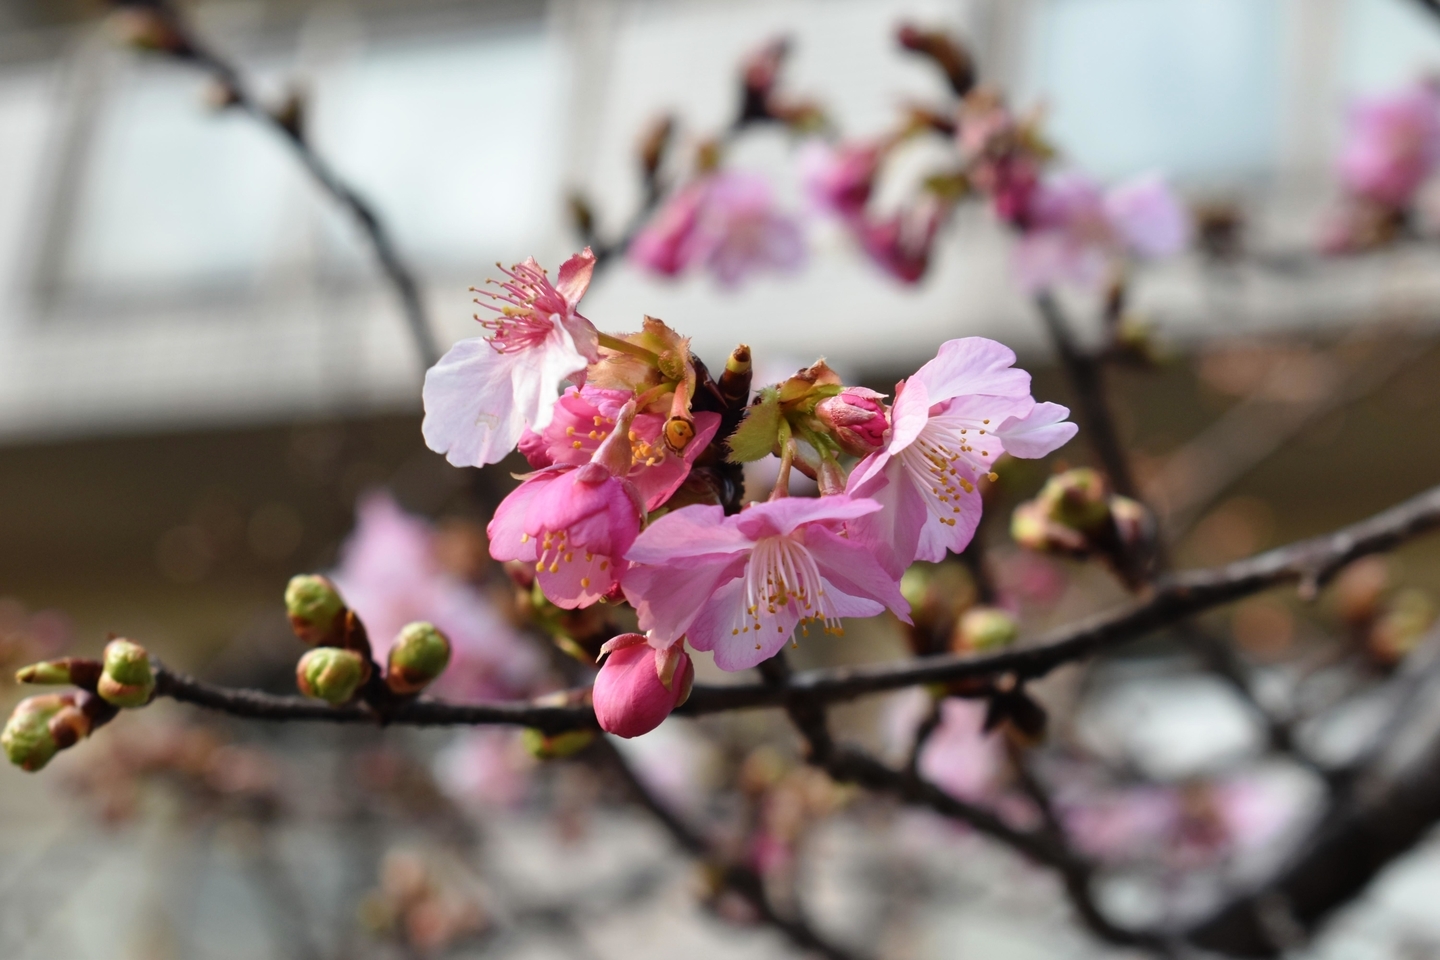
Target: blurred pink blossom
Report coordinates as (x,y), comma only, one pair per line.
(728,222)
(840,178)
(390,576)
(960,758)
(1392,144)
(485,764)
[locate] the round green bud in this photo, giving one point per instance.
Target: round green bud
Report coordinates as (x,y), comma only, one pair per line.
(985,628)
(1077,498)
(556,747)
(27,739)
(331,674)
(128,679)
(419,655)
(315,608)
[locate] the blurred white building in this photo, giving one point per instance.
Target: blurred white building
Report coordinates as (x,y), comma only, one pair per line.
(164,264)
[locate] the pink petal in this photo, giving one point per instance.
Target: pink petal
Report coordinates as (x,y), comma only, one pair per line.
(690,532)
(1039,433)
(575,275)
(668,598)
(780,517)
(853,571)
(972,365)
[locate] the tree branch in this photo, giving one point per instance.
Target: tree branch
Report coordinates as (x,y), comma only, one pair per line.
(1173,598)
(192,50)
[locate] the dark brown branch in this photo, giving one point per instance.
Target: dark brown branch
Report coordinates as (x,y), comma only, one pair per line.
(1087,379)
(192,50)
(1172,599)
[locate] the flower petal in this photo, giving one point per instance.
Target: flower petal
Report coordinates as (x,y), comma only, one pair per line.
(668,598)
(470,410)
(972,365)
(693,531)
(853,573)
(1042,431)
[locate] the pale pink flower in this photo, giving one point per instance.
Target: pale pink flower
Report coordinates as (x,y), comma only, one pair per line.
(485,390)
(960,757)
(574,523)
(839,179)
(727,221)
(1392,144)
(740,585)
(639,685)
(584,417)
(389,576)
(1075,231)
(949,423)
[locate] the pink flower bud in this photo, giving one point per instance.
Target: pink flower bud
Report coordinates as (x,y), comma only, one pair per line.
(856,419)
(638,686)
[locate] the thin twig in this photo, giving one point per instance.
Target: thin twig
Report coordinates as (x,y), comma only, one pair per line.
(194,51)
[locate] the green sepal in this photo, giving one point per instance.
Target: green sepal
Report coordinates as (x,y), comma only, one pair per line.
(759,432)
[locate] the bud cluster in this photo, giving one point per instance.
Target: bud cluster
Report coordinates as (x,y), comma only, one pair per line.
(340,666)
(1076,515)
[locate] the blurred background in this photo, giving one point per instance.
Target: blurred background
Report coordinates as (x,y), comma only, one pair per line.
(202,374)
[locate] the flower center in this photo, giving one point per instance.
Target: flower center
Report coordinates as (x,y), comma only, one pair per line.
(529,308)
(782,573)
(947,458)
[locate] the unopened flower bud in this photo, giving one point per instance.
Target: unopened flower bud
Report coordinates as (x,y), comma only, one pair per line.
(1077,498)
(1032,528)
(129,679)
(27,739)
(983,629)
(67,670)
(316,610)
(69,726)
(557,746)
(331,674)
(638,686)
(856,419)
(420,654)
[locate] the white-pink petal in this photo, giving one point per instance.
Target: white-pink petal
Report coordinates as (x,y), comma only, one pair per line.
(470,410)
(1039,433)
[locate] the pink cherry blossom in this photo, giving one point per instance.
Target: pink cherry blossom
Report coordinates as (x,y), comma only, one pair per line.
(960,757)
(389,576)
(574,523)
(839,179)
(485,390)
(1075,231)
(639,685)
(949,423)
(584,417)
(900,244)
(728,222)
(1392,144)
(740,585)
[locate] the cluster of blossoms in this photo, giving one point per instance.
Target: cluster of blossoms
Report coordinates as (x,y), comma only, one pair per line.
(1069,229)
(634,493)
(1392,146)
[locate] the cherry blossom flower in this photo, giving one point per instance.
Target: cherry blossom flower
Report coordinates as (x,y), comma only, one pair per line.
(839,179)
(574,523)
(727,221)
(1076,231)
(900,244)
(1392,144)
(584,417)
(740,585)
(639,684)
(960,757)
(485,390)
(390,576)
(949,423)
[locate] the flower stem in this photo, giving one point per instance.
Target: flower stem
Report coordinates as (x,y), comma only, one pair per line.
(610,342)
(787,457)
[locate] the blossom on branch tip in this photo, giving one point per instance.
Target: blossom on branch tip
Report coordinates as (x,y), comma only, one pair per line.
(740,585)
(574,523)
(949,423)
(485,390)
(639,684)
(727,221)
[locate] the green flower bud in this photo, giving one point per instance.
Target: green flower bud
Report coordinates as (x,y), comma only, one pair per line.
(331,674)
(128,680)
(1077,498)
(419,655)
(27,739)
(316,610)
(67,670)
(984,628)
(556,747)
